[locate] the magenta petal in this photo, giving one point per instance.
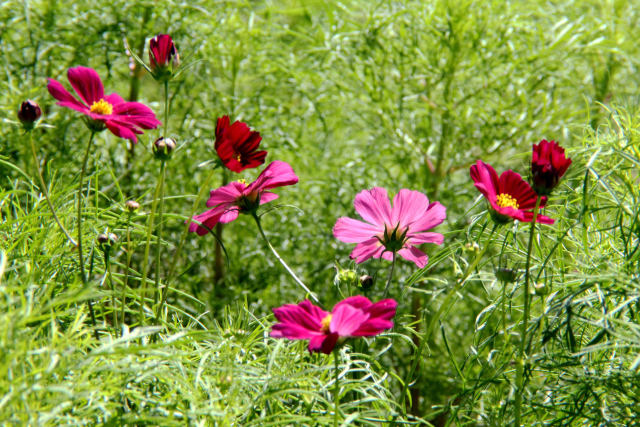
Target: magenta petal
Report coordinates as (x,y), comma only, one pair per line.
(427,237)
(357,301)
(267,196)
(209,218)
(384,309)
(485,178)
(435,215)
(365,250)
(408,206)
(292,331)
(86,83)
(350,230)
(276,174)
(227,194)
(373,327)
(323,343)
(136,113)
(346,319)
(374,206)
(230,214)
(114,99)
(121,131)
(58,91)
(415,255)
(304,314)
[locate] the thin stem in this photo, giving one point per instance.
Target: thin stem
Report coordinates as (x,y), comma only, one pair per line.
(114,310)
(336,388)
(83,171)
(434,319)
(166,108)
(156,295)
(46,192)
(505,332)
(284,264)
(393,265)
(145,260)
(525,318)
(125,285)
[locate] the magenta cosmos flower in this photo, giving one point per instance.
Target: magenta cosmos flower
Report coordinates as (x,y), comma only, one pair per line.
(123,119)
(548,164)
(238,197)
(352,317)
(162,54)
(237,145)
(387,229)
(509,195)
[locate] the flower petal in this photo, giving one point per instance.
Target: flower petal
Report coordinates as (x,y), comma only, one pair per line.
(408,206)
(346,319)
(58,91)
(350,230)
(367,249)
(374,206)
(277,174)
(485,178)
(209,218)
(227,194)
(428,237)
(120,130)
(415,255)
(86,83)
(434,215)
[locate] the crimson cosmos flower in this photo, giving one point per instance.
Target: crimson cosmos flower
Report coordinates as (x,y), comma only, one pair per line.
(236,145)
(548,164)
(391,229)
(162,54)
(352,317)
(29,113)
(123,119)
(509,195)
(238,197)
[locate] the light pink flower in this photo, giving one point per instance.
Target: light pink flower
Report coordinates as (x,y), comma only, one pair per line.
(238,197)
(352,317)
(123,119)
(391,229)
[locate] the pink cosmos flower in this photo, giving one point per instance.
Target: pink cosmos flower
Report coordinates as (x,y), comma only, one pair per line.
(387,229)
(123,119)
(238,197)
(163,57)
(509,195)
(352,317)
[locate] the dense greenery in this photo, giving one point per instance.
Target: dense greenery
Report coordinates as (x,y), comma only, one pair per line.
(352,94)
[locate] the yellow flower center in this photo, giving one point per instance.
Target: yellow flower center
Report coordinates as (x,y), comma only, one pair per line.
(102,107)
(326,322)
(239,158)
(243,181)
(506,200)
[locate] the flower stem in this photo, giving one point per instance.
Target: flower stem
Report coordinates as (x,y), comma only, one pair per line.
(336,388)
(125,285)
(393,265)
(166,108)
(525,318)
(284,264)
(114,310)
(145,260)
(157,292)
(46,192)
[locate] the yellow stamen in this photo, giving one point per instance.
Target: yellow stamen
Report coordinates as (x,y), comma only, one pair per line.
(326,323)
(242,181)
(239,158)
(506,200)
(102,107)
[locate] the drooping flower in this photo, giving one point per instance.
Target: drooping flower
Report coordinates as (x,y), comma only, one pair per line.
(163,57)
(123,119)
(352,317)
(29,113)
(238,197)
(548,164)
(509,196)
(237,145)
(388,230)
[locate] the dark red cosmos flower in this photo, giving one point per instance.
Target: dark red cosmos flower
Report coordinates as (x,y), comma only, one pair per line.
(162,54)
(238,197)
(352,317)
(509,195)
(236,145)
(548,164)
(123,119)
(29,113)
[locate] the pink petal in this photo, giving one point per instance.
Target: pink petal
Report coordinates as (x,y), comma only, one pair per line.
(346,319)
(86,83)
(374,206)
(114,99)
(428,237)
(350,230)
(267,197)
(276,174)
(415,255)
(384,309)
(408,206)
(323,343)
(304,314)
(373,327)
(433,216)
(137,114)
(66,99)
(209,218)
(119,130)
(227,194)
(485,178)
(367,249)
(357,301)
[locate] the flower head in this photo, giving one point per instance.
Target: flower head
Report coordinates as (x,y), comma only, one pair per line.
(548,164)
(509,195)
(29,113)
(387,229)
(237,145)
(123,119)
(352,317)
(163,57)
(239,197)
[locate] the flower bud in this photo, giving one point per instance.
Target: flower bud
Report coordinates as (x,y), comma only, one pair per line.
(163,57)
(366,282)
(548,164)
(506,275)
(540,289)
(29,113)
(106,241)
(132,205)
(163,148)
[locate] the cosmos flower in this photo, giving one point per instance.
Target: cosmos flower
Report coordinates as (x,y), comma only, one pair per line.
(548,164)
(388,230)
(123,119)
(238,197)
(352,317)
(237,145)
(29,113)
(509,196)
(163,57)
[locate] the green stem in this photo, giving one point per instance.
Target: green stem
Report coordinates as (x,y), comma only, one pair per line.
(46,192)
(434,319)
(145,260)
(336,388)
(166,108)
(525,318)
(284,264)
(157,292)
(125,285)
(393,265)
(114,310)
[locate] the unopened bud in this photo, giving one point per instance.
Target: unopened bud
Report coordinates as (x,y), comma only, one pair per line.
(29,113)
(506,275)
(163,148)
(106,241)
(132,205)
(366,282)
(472,246)
(540,289)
